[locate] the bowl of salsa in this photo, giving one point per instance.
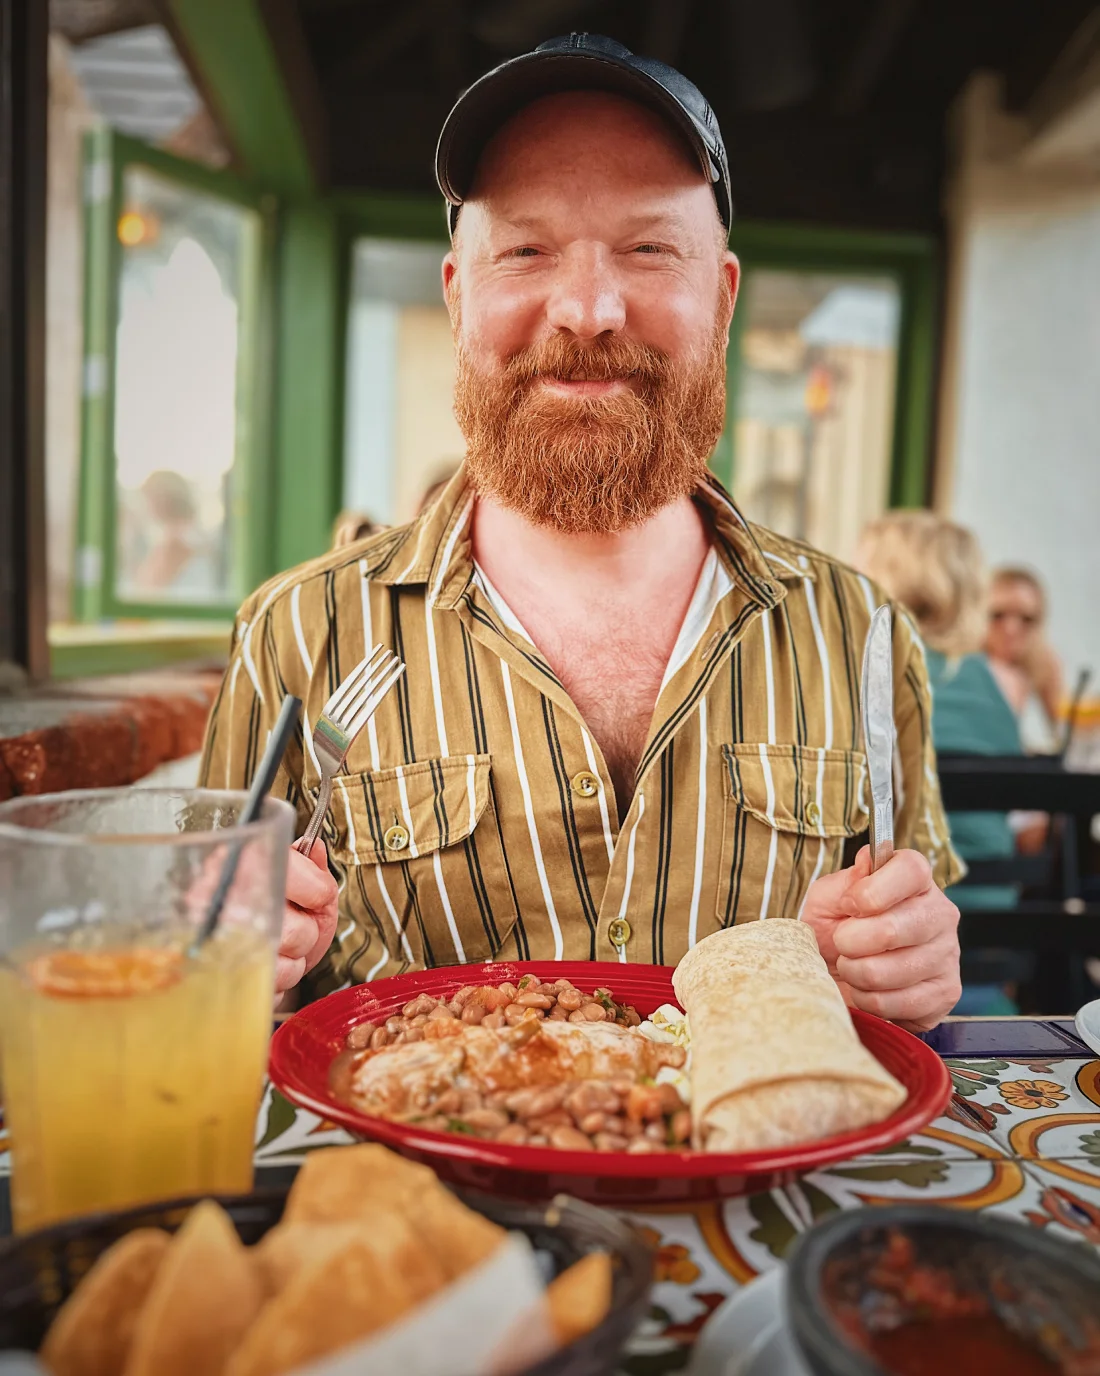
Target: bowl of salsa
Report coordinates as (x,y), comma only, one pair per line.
(921,1290)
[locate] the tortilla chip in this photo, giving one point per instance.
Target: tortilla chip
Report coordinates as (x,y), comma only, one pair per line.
(378,1275)
(289,1247)
(205,1296)
(580,1297)
(338,1184)
(460,1237)
(92,1332)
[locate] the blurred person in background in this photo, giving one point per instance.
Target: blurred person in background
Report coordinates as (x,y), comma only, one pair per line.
(935,569)
(351,526)
(178,558)
(1020,656)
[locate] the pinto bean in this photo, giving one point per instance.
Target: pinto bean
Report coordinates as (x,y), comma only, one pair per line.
(643,1101)
(379,1038)
(419,1020)
(633,1017)
(513,1013)
(473,1013)
(489,1120)
(621,1084)
(448,1103)
(471,1100)
(534,1001)
(538,1139)
(656,1131)
(593,1123)
(569,1139)
(577,1016)
(514,1135)
(570,999)
(509,989)
(493,1019)
(670,1098)
(592,1097)
(544,1122)
(680,1127)
(546,1100)
(519,1101)
(359,1038)
(594,1012)
(413,1034)
(460,996)
(610,1141)
(423,1003)
(642,1146)
(395,1025)
(558,1014)
(435,1122)
(440,1012)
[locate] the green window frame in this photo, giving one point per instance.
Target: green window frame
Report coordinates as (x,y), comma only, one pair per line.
(911,261)
(108,156)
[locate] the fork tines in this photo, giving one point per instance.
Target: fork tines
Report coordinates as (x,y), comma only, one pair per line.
(364,689)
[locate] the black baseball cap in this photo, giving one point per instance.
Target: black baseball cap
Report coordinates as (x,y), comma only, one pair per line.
(576,62)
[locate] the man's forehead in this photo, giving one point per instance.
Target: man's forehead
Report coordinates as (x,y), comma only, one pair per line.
(586,129)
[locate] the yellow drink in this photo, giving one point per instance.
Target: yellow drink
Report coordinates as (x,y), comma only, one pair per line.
(132,1074)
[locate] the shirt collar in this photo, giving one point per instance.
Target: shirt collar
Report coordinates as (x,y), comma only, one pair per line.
(435,550)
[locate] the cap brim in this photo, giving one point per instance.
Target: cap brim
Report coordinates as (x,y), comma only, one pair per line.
(498,95)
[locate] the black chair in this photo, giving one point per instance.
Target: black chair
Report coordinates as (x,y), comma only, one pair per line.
(1057,919)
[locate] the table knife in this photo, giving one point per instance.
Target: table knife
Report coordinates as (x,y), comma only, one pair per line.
(877,708)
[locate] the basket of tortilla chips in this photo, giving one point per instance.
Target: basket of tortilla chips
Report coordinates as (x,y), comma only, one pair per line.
(367,1265)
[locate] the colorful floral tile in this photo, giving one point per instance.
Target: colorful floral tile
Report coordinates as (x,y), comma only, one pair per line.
(1032,1108)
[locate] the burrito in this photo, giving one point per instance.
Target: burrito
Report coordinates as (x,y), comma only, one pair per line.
(775,1060)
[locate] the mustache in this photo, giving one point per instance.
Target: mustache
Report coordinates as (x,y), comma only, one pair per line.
(609,359)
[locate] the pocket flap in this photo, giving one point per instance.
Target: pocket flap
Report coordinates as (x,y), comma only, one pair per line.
(799,788)
(398,814)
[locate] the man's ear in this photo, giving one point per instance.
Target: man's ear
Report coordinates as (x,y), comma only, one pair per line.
(450,284)
(731,270)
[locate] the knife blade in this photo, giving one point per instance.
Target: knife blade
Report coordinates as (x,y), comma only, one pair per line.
(877,708)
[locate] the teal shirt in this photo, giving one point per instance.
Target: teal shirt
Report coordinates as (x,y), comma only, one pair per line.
(970,716)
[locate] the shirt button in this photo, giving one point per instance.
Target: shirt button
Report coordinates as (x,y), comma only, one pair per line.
(397,838)
(813,814)
(585,785)
(619,932)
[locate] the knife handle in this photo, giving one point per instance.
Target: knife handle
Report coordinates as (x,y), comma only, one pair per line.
(882,835)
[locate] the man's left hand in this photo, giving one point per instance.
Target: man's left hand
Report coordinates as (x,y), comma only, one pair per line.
(890,938)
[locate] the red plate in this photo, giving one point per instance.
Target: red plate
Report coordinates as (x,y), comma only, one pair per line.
(304,1047)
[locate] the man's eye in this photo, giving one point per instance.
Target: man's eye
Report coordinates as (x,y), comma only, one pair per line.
(525,252)
(648,248)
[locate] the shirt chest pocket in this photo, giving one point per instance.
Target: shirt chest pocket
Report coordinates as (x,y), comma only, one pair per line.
(424,858)
(788,811)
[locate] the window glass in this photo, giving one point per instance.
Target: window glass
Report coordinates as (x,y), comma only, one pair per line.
(177,429)
(400,433)
(815,404)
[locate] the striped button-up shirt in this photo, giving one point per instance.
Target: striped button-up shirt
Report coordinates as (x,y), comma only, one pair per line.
(476,817)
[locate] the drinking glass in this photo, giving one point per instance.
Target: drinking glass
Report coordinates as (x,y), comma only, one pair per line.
(132,1061)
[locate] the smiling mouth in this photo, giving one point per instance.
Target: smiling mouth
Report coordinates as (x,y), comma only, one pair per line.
(584,386)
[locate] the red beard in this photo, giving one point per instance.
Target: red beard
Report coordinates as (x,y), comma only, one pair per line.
(591,464)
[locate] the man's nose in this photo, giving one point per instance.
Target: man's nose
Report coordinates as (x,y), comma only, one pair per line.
(586,298)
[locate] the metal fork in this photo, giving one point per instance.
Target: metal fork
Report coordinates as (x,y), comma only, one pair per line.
(342,718)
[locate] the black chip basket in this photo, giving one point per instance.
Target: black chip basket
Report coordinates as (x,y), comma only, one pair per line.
(39,1272)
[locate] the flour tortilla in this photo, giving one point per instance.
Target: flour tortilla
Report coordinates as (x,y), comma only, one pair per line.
(775,1060)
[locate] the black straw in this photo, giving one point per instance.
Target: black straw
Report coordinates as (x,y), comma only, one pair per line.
(264,777)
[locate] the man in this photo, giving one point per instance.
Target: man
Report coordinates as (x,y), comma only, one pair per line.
(629,718)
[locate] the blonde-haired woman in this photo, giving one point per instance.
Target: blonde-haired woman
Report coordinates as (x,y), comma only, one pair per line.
(935,569)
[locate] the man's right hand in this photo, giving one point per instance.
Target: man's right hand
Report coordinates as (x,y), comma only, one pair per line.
(310,918)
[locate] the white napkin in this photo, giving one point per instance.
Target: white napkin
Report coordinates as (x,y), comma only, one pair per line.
(491,1322)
